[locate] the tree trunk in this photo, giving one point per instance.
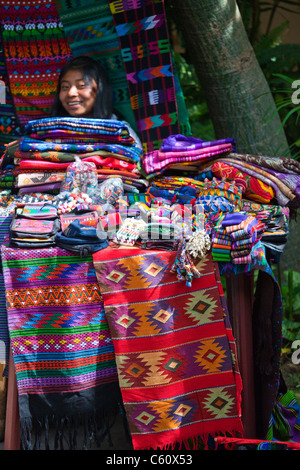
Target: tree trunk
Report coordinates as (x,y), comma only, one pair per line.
(237,94)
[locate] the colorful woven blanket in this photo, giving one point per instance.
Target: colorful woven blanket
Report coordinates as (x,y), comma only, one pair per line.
(156,162)
(131,41)
(285,420)
(89,27)
(146,53)
(35,48)
(5,222)
(174,348)
(263,179)
(62,348)
(8,121)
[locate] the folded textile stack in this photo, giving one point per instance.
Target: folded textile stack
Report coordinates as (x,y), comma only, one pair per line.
(7,177)
(262,179)
(234,237)
(178,152)
(276,220)
(50,145)
(189,189)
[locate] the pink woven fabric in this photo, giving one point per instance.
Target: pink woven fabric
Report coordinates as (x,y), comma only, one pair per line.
(156,161)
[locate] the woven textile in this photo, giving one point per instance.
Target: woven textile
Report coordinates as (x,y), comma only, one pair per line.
(155,163)
(151,101)
(145,48)
(5,222)
(35,49)
(8,120)
(285,419)
(261,183)
(173,348)
(61,344)
(89,27)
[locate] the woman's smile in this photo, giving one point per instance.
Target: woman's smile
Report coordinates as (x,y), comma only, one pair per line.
(76,96)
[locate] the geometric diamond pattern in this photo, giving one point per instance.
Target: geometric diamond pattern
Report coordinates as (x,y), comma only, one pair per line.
(210,355)
(173,355)
(219,402)
(201,307)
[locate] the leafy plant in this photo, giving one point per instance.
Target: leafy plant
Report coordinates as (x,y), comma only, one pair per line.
(279,62)
(200,121)
(290,291)
(288,105)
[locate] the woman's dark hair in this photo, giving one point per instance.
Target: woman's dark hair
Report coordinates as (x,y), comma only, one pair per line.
(91,69)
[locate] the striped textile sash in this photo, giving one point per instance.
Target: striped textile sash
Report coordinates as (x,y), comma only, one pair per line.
(62,349)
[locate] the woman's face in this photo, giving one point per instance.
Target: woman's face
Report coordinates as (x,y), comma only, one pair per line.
(76,96)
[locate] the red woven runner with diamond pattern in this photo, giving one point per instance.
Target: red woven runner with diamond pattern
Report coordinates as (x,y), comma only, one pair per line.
(174,348)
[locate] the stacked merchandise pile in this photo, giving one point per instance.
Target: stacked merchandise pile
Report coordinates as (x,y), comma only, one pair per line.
(50,144)
(276,220)
(183,206)
(234,238)
(263,179)
(77,165)
(191,171)
(183,154)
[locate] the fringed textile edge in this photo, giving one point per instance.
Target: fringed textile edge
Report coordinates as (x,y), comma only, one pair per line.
(207,441)
(79,432)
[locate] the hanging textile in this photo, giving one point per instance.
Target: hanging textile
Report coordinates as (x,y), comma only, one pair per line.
(173,348)
(9,129)
(62,349)
(146,53)
(5,221)
(89,27)
(35,48)
(267,340)
(149,100)
(284,424)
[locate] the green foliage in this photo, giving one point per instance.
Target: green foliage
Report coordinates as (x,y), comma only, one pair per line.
(279,62)
(200,121)
(290,291)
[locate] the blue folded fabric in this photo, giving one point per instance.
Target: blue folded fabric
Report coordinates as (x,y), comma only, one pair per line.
(83,232)
(81,239)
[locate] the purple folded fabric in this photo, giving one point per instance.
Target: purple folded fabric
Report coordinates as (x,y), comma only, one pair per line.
(234,218)
(178,143)
(40,188)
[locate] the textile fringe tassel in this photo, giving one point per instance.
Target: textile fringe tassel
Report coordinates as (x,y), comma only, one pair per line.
(69,433)
(183,264)
(203,442)
(197,246)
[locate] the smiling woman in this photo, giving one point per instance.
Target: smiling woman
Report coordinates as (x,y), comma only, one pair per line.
(76,95)
(83,90)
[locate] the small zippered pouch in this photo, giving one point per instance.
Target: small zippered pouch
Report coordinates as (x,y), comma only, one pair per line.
(37,211)
(22,227)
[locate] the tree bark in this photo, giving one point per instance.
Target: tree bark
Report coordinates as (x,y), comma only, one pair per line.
(238,96)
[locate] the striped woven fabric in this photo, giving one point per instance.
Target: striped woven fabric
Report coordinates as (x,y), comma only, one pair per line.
(130,39)
(35,48)
(5,222)
(8,120)
(60,340)
(89,27)
(156,162)
(146,53)
(82,125)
